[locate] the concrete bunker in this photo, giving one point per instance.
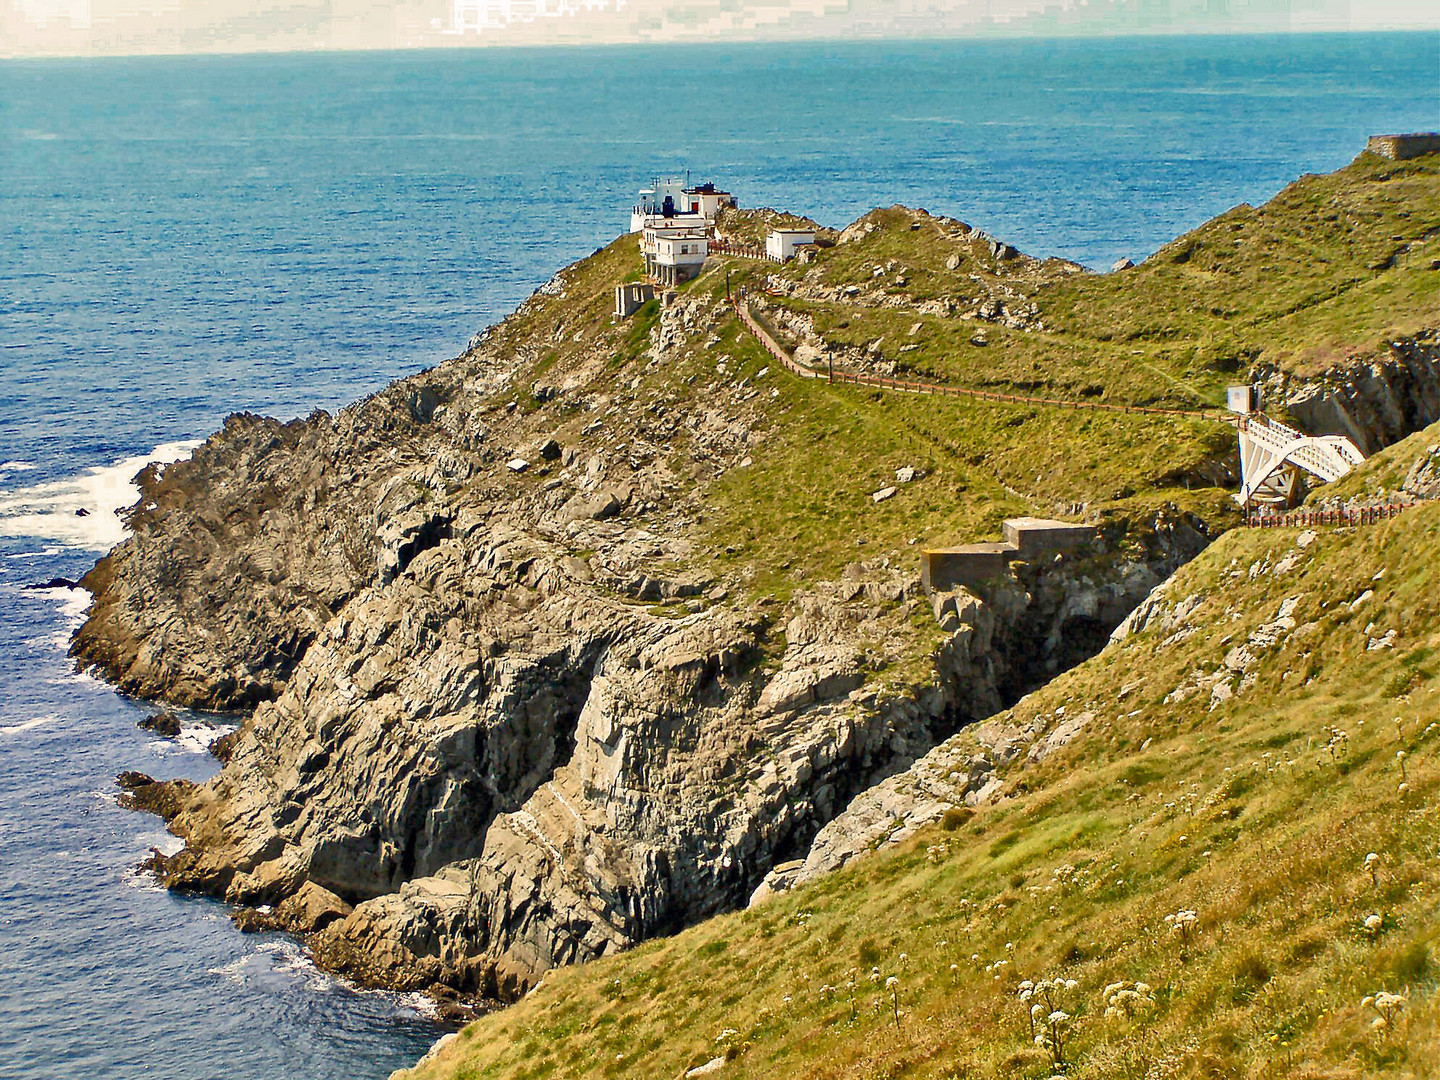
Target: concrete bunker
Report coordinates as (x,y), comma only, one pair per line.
(942,569)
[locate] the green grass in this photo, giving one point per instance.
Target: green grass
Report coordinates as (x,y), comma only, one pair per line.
(1328,270)
(1236,812)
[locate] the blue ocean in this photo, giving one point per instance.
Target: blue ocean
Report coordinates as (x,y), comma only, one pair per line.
(182,238)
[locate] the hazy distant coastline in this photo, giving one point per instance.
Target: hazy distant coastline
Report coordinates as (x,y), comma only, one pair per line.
(39,28)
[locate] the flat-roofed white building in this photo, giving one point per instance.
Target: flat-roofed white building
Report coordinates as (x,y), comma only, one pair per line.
(653,225)
(675,255)
(706,200)
(782,244)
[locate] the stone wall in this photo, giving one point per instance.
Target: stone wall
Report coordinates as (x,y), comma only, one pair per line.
(1404,147)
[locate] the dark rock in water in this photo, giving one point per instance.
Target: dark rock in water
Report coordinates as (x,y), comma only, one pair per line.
(254,921)
(164,724)
(156,863)
(451,1009)
(164,798)
(224,746)
(53,583)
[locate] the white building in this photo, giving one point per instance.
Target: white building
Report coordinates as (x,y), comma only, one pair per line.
(674,196)
(674,253)
(783,244)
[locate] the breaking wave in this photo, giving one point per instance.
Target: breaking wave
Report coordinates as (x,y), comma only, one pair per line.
(53,510)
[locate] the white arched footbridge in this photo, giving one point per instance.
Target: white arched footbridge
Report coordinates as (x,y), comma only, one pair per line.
(1272,456)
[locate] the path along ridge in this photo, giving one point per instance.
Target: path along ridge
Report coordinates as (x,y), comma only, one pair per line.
(910,386)
(1357,515)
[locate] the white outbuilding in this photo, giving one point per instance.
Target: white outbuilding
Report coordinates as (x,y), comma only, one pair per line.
(783,244)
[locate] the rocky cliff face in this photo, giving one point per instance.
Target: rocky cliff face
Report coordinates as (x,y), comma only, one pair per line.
(503,718)
(490,767)
(966,772)
(1375,401)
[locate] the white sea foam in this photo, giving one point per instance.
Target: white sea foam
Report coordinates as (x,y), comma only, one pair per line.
(48,511)
(141,880)
(43,553)
(196,738)
(193,739)
(234,971)
(417,1003)
(284,958)
(30,725)
(73,604)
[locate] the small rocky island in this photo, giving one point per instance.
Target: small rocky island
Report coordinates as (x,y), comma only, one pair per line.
(587,634)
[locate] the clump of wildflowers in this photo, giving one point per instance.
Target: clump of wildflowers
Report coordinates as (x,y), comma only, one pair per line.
(1386,1007)
(729,1043)
(1067,877)
(1338,745)
(1185,924)
(1048,1022)
(1127,1000)
(893,985)
(1054,1031)
(1026,994)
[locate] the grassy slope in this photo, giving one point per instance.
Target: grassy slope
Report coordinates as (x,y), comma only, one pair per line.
(1312,274)
(1238,812)
(1329,268)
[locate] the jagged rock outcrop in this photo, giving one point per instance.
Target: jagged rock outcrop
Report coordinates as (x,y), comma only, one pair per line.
(1422,481)
(489,759)
(1374,401)
(503,770)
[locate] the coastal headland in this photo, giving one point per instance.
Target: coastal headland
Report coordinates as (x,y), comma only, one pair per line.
(597,630)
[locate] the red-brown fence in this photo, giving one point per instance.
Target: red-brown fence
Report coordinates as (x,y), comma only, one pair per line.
(745,251)
(1350,515)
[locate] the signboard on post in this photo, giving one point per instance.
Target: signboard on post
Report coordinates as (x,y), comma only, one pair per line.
(1242,399)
